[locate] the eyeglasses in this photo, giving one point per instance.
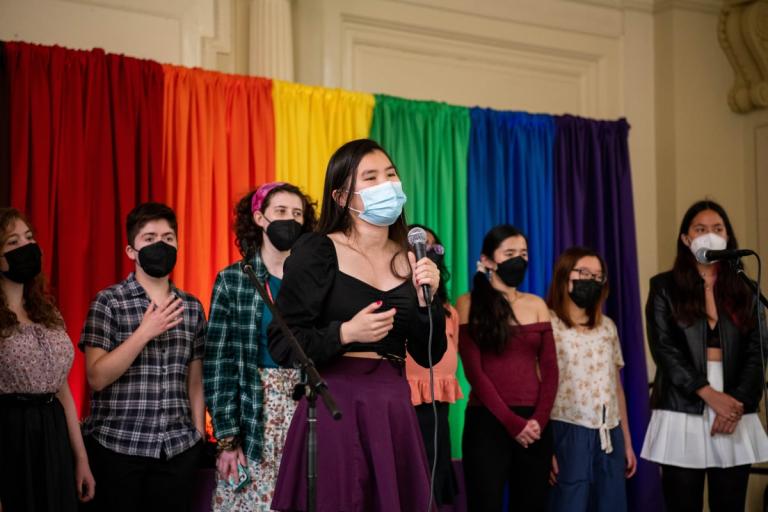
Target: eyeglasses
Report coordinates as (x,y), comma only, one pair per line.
(436,248)
(587,274)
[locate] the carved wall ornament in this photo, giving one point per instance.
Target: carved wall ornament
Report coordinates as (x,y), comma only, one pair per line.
(743,36)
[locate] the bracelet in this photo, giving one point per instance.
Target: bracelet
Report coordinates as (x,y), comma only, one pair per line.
(227,445)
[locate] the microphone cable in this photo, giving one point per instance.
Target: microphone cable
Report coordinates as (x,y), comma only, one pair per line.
(434,409)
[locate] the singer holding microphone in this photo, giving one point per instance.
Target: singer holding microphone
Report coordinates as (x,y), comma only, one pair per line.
(353,295)
(704,337)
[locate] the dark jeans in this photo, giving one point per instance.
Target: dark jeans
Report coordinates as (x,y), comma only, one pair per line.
(142,484)
(684,488)
(493,459)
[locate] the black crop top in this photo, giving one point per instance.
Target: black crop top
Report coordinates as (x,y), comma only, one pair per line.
(316,298)
(713,336)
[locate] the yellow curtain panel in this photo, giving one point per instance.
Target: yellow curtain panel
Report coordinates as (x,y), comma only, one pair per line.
(310,124)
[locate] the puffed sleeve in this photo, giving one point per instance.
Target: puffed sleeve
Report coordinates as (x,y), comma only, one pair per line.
(308,276)
(418,334)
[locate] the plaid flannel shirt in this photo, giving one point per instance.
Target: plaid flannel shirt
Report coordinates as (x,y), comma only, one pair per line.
(234,393)
(146,411)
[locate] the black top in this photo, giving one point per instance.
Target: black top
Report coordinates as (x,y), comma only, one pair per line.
(316,298)
(679,351)
(713,336)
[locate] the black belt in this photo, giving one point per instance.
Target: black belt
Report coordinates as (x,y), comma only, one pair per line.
(27,398)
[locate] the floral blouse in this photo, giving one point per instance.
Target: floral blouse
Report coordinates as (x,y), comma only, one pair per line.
(588,362)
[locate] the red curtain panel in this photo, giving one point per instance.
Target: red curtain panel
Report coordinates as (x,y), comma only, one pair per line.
(85,147)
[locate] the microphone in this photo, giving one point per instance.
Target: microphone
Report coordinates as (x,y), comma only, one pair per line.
(417,238)
(705,255)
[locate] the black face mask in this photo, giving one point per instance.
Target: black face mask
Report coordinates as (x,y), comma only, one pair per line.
(436,258)
(158,259)
(586,292)
(512,271)
(283,233)
(24,263)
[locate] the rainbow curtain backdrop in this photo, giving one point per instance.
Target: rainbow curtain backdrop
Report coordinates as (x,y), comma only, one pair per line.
(84,136)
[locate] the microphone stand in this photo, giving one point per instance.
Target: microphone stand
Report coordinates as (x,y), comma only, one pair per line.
(759,299)
(313,387)
(752,286)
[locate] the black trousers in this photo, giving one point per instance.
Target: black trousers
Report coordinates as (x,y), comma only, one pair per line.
(127,483)
(684,488)
(446,486)
(493,459)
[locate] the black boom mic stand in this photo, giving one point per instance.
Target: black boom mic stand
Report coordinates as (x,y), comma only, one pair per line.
(313,387)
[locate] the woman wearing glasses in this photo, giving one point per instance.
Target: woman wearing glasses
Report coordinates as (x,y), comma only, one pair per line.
(593,448)
(509,358)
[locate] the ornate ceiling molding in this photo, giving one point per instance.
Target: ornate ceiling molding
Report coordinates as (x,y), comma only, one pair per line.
(743,35)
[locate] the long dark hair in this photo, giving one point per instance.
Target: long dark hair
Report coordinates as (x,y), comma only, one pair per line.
(445,274)
(341,175)
(688,292)
(557,298)
(490,312)
(38,303)
(249,236)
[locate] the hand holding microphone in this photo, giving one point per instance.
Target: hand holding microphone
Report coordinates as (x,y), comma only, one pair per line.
(426,275)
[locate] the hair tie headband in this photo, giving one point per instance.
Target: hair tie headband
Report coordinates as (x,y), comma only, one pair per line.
(261,193)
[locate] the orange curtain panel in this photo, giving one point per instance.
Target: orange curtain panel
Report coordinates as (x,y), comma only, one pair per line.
(218,143)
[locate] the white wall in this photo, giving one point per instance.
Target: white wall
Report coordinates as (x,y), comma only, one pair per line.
(532,55)
(185,32)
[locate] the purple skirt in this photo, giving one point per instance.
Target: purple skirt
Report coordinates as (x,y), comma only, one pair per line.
(373,459)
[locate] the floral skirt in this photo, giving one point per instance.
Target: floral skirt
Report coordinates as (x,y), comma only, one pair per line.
(277,412)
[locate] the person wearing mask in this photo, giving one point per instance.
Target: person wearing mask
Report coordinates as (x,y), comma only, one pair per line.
(352,296)
(509,359)
(705,337)
(248,396)
(593,448)
(143,341)
(43,463)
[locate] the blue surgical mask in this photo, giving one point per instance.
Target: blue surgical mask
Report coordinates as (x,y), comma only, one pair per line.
(382,204)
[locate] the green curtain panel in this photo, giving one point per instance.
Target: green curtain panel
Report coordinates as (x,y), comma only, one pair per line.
(428,143)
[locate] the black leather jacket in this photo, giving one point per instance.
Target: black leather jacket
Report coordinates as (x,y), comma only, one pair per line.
(680,353)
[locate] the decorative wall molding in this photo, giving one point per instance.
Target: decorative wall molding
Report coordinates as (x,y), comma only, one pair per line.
(581,74)
(743,36)
(205,26)
(703,6)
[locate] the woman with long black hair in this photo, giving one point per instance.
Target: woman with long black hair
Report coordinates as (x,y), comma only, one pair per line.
(351,295)
(704,337)
(508,352)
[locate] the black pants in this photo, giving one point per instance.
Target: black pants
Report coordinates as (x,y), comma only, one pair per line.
(446,486)
(127,483)
(493,459)
(684,488)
